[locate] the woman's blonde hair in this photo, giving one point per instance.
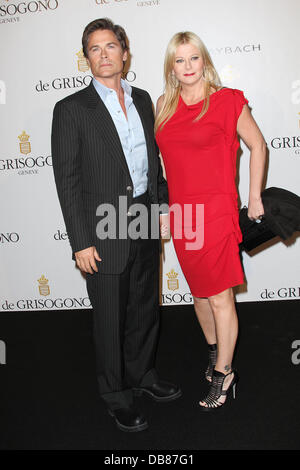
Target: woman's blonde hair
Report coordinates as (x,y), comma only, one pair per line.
(172,85)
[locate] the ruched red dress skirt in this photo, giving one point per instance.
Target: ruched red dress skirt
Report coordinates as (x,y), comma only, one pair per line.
(200,163)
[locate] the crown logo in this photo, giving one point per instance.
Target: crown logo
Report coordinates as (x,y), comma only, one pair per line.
(25,146)
(229,73)
(173,283)
(82,63)
(44,289)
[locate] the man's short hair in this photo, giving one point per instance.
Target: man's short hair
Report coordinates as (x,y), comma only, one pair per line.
(103,23)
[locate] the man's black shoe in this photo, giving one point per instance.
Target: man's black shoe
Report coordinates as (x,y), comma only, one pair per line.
(129,419)
(160,391)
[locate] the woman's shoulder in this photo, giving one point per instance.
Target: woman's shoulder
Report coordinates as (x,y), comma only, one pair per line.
(230,93)
(229,98)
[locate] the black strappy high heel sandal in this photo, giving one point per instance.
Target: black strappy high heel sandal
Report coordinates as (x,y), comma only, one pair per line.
(216,390)
(212,360)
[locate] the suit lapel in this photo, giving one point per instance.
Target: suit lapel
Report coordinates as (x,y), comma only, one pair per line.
(105,125)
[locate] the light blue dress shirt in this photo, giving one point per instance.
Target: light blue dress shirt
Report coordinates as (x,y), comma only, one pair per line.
(130,131)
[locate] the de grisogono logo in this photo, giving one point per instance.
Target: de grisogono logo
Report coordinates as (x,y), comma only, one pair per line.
(175,297)
(65,83)
(44,288)
(44,300)
(281,293)
(173,283)
(9,237)
(27,165)
(148,3)
(60,235)
(290,143)
(229,73)
(82,63)
(287,143)
(109,2)
(76,81)
(139,3)
(11,11)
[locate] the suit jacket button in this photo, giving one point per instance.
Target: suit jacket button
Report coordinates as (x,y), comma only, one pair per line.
(129,188)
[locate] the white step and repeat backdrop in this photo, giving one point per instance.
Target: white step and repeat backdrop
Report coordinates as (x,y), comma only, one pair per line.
(255,47)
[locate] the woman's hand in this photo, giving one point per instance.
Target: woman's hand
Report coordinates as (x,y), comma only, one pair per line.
(255,208)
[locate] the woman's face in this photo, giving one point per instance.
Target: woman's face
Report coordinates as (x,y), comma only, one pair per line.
(188,65)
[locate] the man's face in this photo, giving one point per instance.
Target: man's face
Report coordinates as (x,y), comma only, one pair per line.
(105,54)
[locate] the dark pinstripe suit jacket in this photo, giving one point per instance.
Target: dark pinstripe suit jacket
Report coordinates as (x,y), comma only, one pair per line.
(90,169)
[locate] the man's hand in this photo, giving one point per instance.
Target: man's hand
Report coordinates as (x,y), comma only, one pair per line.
(86,260)
(164,222)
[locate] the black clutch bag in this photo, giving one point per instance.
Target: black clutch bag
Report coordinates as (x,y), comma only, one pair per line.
(255,232)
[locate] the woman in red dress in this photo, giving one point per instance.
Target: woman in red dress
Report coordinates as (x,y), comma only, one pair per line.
(196,130)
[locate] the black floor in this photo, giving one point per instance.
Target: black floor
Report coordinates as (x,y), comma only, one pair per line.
(49,396)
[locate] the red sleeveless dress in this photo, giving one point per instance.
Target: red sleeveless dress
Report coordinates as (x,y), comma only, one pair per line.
(200,163)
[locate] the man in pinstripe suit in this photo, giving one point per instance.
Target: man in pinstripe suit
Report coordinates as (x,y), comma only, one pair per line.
(103,147)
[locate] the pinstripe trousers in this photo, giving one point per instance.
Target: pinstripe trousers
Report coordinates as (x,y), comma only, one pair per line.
(126,322)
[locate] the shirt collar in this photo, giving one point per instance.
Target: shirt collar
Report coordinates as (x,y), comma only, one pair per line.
(104,91)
